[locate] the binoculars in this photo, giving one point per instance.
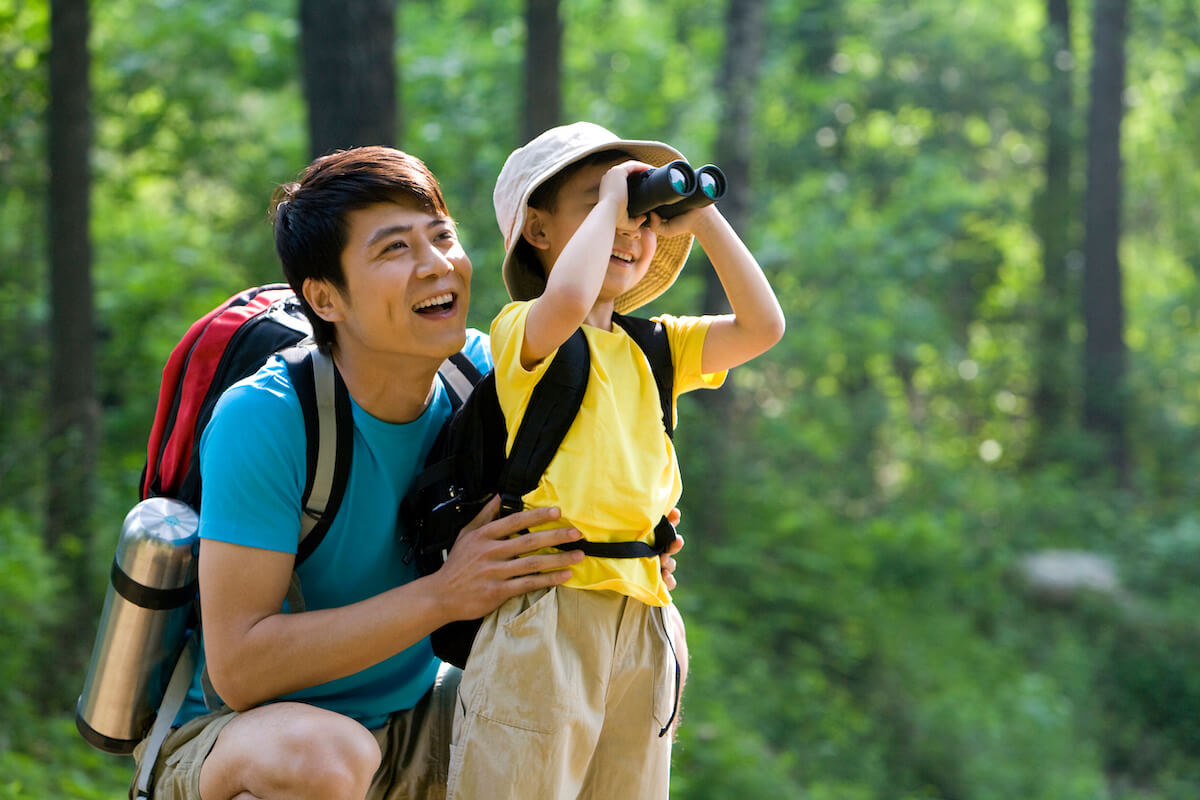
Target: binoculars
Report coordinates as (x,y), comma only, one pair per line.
(675,188)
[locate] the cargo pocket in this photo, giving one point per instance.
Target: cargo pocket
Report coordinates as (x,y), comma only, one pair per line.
(523,687)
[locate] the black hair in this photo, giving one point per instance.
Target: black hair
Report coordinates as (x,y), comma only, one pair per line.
(310,214)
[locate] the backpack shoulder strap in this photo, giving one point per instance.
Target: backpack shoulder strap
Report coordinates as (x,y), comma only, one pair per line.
(329,440)
(552,408)
(459,375)
(651,337)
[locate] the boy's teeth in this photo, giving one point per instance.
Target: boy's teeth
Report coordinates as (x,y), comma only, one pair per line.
(440,300)
(625,258)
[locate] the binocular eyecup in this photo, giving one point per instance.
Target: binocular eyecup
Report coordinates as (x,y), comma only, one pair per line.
(674,188)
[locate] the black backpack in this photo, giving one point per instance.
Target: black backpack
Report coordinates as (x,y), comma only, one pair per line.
(467,464)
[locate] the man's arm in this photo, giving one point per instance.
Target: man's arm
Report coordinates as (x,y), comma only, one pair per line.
(757,322)
(256,653)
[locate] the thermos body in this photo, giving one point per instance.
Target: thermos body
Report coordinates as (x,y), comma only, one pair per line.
(143,626)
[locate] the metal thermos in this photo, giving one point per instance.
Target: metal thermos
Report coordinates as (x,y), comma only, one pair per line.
(143,627)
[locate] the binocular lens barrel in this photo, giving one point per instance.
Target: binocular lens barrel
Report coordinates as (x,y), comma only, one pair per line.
(712,185)
(660,186)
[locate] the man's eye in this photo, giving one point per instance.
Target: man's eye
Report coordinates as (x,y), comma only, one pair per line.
(396,245)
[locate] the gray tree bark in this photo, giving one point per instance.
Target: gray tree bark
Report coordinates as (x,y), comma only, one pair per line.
(349,68)
(72,410)
(1105,354)
(542,106)
(1053,214)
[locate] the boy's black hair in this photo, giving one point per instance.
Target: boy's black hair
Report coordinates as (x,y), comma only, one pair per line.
(310,214)
(545,197)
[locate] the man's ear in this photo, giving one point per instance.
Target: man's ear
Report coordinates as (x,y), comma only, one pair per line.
(323,299)
(534,229)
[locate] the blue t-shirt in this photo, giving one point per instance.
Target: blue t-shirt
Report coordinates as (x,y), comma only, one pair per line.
(252,459)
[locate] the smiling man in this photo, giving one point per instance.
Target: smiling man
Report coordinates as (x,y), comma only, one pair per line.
(344,699)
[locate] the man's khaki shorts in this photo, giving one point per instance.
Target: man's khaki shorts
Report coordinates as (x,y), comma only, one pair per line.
(415,744)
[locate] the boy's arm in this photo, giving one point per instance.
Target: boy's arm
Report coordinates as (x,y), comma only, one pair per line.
(757,321)
(578,272)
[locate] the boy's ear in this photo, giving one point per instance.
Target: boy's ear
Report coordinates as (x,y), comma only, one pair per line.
(323,299)
(534,229)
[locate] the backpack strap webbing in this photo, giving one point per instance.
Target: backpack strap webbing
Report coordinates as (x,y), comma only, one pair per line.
(168,709)
(552,408)
(459,375)
(651,337)
(329,440)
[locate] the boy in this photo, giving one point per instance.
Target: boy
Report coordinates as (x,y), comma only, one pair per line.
(570,689)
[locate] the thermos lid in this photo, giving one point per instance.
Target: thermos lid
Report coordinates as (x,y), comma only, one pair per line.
(158,541)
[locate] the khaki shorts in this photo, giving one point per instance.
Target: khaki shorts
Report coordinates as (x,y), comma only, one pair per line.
(568,693)
(415,744)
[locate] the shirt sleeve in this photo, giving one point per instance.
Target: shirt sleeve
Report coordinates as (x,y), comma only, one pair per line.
(686,336)
(478,349)
(252,466)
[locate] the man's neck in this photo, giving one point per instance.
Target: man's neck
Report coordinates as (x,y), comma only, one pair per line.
(392,387)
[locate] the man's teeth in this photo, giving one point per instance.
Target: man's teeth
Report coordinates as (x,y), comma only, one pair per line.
(440,300)
(623,257)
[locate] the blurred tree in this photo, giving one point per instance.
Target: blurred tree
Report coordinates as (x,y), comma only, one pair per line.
(72,410)
(349,68)
(737,85)
(1105,353)
(1053,213)
(543,67)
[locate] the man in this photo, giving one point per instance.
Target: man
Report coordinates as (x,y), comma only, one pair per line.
(344,699)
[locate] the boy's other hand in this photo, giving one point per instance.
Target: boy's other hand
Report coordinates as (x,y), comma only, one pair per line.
(687,222)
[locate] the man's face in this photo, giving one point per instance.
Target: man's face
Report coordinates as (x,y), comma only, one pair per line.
(408,283)
(632,248)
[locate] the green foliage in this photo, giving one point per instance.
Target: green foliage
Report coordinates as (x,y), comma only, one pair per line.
(862,630)
(28,588)
(53,761)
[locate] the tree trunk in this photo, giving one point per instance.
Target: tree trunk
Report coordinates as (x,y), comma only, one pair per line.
(737,85)
(1053,213)
(72,410)
(543,67)
(349,68)
(1103,308)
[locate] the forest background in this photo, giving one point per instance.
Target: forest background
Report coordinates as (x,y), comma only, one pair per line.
(943,541)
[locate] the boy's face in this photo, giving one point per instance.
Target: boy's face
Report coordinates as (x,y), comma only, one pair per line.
(632,249)
(408,282)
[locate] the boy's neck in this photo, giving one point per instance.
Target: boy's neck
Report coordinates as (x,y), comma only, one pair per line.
(601,315)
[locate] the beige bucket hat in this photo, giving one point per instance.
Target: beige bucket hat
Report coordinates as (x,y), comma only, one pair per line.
(528,167)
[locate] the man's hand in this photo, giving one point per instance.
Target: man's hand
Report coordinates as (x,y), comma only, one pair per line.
(668,563)
(486,566)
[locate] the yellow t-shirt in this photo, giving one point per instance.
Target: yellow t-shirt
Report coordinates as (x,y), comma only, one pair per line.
(615,474)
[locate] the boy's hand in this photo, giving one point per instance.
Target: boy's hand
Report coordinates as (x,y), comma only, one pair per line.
(615,186)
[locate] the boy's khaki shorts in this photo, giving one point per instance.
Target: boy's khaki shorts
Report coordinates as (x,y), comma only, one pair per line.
(566,694)
(415,744)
